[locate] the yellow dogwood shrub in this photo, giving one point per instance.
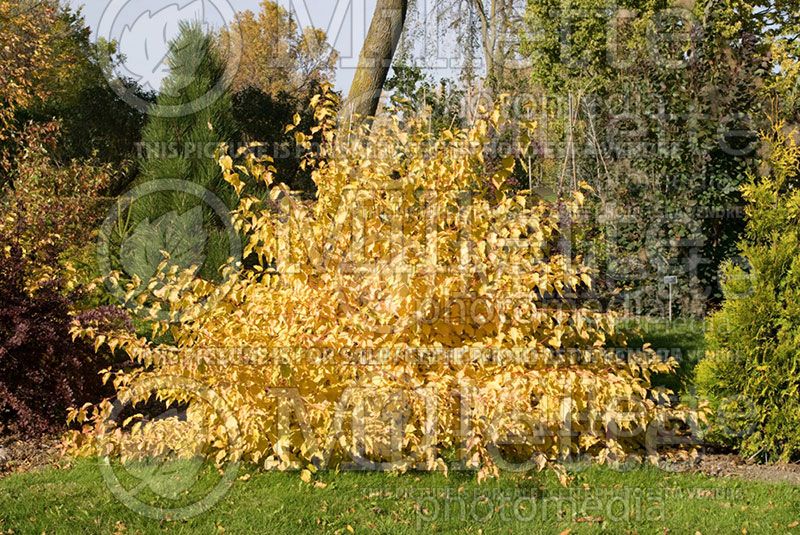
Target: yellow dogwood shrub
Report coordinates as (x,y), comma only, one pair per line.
(418,313)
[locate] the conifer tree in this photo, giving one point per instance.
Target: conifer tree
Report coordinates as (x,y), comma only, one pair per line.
(753,370)
(192,116)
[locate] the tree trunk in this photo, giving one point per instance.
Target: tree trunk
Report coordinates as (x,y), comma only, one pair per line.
(376,58)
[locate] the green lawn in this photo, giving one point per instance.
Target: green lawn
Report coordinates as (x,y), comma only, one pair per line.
(78,500)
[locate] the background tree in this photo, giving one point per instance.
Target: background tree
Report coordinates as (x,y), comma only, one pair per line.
(261,120)
(274,55)
(780,21)
(95,121)
(484,35)
(279,67)
(415,93)
(376,57)
(49,202)
(655,107)
(67,81)
(25,51)
(182,148)
(499,23)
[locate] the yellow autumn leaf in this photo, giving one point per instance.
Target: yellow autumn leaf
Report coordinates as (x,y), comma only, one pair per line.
(305,475)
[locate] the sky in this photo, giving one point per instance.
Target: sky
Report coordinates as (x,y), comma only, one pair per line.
(143,28)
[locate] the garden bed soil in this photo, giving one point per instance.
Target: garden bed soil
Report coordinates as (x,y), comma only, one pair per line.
(23,454)
(729,465)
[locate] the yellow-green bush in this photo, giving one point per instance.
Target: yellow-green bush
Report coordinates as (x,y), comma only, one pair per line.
(753,371)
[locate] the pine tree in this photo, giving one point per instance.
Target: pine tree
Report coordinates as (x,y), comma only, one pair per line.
(753,369)
(192,116)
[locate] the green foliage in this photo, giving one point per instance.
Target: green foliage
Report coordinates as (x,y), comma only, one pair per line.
(416,93)
(653,105)
(568,42)
(753,371)
(181,148)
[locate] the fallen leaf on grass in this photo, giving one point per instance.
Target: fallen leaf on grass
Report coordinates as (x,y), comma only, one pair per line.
(305,475)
